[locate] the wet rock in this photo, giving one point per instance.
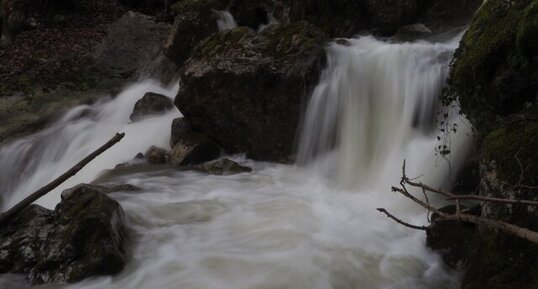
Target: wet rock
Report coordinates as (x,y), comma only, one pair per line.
(82,237)
(151,103)
(223,167)
(245,89)
(195,21)
(195,148)
(156,155)
(453,240)
(494,74)
(180,128)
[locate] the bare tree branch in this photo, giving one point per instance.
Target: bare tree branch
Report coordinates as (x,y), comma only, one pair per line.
(55,183)
(512,229)
(402,222)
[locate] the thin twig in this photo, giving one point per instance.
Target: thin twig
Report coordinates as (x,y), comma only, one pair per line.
(402,222)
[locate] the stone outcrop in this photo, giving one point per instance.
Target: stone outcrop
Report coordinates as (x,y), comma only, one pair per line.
(150,104)
(495,78)
(82,237)
(495,72)
(245,89)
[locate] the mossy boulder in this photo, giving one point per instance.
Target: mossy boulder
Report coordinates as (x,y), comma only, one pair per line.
(246,89)
(495,71)
(82,237)
(195,20)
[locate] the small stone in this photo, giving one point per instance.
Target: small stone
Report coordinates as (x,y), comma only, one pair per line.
(195,148)
(156,155)
(223,167)
(150,104)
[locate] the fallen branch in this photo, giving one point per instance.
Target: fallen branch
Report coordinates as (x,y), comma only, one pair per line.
(494,200)
(511,229)
(55,183)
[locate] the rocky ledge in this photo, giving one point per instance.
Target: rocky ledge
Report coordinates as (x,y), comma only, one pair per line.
(82,237)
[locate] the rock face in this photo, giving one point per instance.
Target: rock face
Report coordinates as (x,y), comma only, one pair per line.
(441,15)
(245,90)
(495,72)
(495,78)
(82,237)
(151,103)
(195,148)
(195,21)
(224,167)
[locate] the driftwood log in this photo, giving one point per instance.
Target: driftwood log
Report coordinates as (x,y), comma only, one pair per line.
(58,181)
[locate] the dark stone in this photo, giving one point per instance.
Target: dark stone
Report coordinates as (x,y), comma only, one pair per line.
(223,167)
(151,103)
(156,155)
(195,148)
(195,21)
(246,90)
(180,128)
(82,237)
(453,240)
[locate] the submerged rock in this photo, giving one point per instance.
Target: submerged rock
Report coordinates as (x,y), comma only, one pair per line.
(151,103)
(223,167)
(82,237)
(195,148)
(156,155)
(245,89)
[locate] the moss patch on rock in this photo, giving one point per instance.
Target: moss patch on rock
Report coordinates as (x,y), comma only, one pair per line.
(491,76)
(513,147)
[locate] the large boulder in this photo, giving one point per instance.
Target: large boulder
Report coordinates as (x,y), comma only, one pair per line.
(495,72)
(245,89)
(82,237)
(150,104)
(195,21)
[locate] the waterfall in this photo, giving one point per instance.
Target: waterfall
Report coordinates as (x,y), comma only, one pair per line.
(31,162)
(311,226)
(225,20)
(375,105)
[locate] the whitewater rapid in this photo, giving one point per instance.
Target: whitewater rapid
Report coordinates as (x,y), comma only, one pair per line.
(312,225)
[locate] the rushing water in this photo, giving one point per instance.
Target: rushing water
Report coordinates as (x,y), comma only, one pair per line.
(308,226)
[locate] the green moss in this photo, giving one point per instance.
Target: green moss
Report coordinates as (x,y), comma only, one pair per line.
(490,75)
(514,149)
